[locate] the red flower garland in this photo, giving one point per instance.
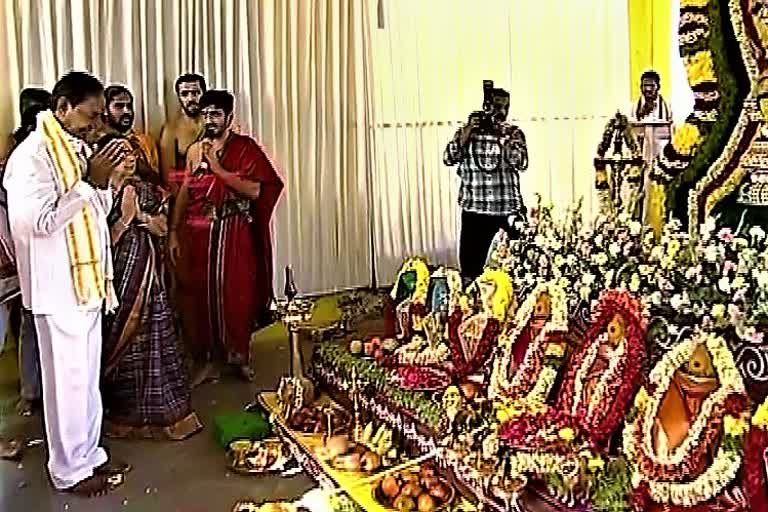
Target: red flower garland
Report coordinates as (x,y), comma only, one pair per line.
(422,378)
(755,478)
(462,367)
(611,302)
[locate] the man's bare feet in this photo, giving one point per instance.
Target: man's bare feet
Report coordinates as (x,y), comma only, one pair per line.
(10,449)
(206,374)
(96,485)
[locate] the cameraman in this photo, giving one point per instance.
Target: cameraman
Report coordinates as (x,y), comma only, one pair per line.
(490,153)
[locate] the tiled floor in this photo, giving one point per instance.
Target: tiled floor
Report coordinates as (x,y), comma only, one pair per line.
(170,477)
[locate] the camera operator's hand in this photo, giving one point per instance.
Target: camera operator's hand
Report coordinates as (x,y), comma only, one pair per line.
(472,124)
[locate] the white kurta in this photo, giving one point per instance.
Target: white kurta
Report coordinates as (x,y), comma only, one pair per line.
(69,333)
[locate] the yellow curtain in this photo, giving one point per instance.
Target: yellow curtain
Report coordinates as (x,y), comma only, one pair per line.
(650,47)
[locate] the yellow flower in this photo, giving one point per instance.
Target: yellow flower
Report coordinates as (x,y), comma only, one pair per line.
(596,463)
(566,434)
(555,349)
(684,140)
(718,311)
(734,426)
(760,419)
(693,3)
(700,68)
(502,415)
(536,407)
(641,399)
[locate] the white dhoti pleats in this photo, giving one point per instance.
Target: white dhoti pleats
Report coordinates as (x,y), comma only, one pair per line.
(70,361)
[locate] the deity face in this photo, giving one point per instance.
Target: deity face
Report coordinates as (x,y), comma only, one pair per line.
(486,289)
(700,364)
(452,401)
(616,330)
(438,294)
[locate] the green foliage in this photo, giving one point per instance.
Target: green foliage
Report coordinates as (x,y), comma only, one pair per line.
(422,405)
(612,487)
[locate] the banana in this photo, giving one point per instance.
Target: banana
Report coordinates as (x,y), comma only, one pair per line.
(367,433)
(377,438)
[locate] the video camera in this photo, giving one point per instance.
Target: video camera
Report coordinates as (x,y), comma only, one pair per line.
(487,122)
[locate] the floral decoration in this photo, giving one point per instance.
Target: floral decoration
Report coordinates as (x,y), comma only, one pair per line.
(535,376)
(672,478)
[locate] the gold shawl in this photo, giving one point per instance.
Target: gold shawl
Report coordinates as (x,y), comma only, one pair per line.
(83,237)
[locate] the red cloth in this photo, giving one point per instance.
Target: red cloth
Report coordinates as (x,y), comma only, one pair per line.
(225,272)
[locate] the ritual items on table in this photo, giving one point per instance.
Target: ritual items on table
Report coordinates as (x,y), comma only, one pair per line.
(530,355)
(419,489)
(685,441)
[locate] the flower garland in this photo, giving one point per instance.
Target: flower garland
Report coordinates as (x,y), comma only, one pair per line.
(686,138)
(755,445)
(600,422)
(610,377)
(461,366)
(531,370)
(664,476)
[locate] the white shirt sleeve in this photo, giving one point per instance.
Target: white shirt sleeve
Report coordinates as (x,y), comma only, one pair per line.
(34,199)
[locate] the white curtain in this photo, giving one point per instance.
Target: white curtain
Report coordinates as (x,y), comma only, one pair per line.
(565,65)
(356,116)
(296,67)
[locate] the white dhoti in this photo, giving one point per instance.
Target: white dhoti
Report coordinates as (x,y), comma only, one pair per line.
(70,359)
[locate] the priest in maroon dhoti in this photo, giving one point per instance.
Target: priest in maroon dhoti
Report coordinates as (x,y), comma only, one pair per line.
(220,240)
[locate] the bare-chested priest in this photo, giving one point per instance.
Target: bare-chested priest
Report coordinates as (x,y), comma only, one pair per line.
(181,132)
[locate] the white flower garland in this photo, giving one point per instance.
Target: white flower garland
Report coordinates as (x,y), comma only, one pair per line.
(609,375)
(662,375)
(726,464)
(500,383)
(706,486)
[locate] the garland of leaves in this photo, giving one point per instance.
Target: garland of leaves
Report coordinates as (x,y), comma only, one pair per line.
(421,405)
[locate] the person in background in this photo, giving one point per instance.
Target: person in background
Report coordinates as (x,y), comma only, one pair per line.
(220,239)
(181,132)
(32,101)
(58,201)
(650,106)
(490,154)
(145,386)
(119,117)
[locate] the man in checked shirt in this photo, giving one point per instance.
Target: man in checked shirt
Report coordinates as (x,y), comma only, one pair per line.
(490,159)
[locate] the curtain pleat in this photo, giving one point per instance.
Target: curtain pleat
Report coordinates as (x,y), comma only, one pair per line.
(355,116)
(296,69)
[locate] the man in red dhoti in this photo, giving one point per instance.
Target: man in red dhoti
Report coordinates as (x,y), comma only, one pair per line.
(220,239)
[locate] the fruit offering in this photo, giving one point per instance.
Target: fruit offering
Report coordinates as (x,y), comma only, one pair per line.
(252,457)
(415,490)
(312,419)
(368,454)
